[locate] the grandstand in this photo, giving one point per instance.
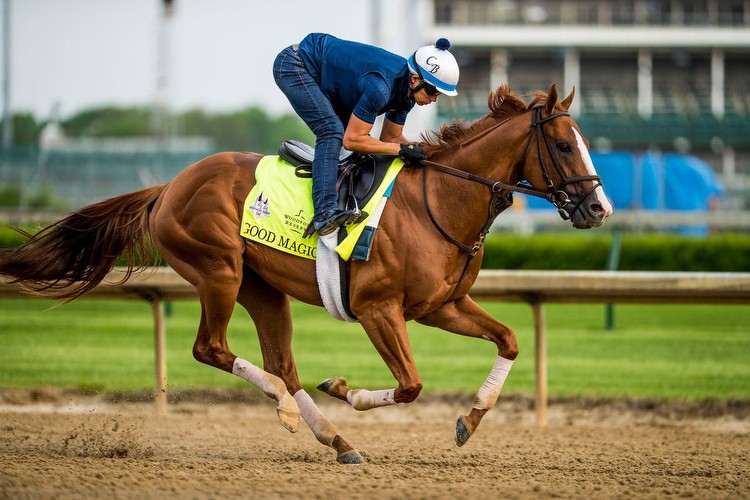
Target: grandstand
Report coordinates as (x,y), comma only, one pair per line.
(664,75)
(652,77)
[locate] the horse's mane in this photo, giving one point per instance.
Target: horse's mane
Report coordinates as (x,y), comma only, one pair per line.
(502,104)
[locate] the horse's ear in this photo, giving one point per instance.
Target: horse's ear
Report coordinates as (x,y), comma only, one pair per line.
(568,100)
(551,99)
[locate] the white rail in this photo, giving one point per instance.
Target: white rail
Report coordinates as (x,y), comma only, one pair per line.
(533,287)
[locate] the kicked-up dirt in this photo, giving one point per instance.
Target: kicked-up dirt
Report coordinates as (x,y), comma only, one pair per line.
(214,444)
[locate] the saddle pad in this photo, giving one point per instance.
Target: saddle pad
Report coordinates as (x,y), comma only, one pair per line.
(279,208)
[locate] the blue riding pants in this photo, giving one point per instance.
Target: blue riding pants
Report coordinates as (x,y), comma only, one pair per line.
(309,102)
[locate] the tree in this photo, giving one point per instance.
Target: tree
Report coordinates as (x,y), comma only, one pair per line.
(25,129)
(250,129)
(109,121)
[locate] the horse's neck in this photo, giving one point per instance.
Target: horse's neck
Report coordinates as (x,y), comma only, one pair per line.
(462,205)
(494,152)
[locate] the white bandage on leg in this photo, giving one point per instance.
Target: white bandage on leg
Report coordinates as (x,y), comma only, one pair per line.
(311,414)
(362,399)
(487,394)
(270,384)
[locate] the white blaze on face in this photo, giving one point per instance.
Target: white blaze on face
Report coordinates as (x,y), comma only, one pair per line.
(598,192)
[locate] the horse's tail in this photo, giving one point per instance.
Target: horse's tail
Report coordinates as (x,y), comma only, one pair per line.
(70,257)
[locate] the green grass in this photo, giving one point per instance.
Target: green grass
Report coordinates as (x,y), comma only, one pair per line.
(669,352)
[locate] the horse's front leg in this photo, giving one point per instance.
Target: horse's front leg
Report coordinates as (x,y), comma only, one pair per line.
(464,317)
(386,328)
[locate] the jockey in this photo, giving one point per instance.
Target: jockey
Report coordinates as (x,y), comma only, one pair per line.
(340,87)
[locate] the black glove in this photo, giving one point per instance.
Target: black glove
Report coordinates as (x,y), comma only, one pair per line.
(411,153)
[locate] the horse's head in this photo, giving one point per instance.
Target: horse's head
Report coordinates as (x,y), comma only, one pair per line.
(556,161)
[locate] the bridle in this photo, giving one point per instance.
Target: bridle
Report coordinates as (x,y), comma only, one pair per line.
(499,201)
(554,194)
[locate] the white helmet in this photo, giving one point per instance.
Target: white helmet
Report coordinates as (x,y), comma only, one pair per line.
(436,66)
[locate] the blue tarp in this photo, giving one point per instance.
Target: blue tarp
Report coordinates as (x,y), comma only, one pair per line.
(652,181)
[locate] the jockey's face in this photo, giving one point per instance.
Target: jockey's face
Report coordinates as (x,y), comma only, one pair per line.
(427,94)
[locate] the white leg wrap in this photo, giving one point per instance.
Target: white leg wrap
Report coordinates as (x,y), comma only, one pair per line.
(270,384)
(311,414)
(487,394)
(362,399)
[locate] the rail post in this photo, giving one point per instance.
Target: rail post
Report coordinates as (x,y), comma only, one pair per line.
(540,360)
(160,358)
(613,262)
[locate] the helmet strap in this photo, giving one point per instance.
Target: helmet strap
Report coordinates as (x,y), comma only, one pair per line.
(416,66)
(417,87)
(422,82)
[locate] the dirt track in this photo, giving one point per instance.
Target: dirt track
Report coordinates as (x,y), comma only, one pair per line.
(55,444)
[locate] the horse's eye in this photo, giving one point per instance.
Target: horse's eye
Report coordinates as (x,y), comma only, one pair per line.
(564,147)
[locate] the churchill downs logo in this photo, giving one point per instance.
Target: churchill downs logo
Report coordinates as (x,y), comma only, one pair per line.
(260,207)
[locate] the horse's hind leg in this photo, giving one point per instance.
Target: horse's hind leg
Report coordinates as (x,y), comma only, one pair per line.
(217,297)
(272,316)
(212,262)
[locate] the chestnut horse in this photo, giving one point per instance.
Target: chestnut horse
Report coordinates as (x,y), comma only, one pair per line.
(421,265)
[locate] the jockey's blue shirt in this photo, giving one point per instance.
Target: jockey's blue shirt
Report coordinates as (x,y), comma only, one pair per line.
(358,78)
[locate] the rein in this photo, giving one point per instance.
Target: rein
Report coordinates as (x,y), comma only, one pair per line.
(498,202)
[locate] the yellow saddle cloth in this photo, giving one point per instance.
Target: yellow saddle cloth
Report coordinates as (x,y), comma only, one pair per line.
(279,208)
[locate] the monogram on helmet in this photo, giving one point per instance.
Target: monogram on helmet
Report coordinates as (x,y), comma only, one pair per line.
(436,66)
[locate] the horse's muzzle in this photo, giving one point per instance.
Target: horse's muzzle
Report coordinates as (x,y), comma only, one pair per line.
(589,213)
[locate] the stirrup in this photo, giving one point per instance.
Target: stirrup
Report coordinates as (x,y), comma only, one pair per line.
(331,220)
(356,216)
(327,222)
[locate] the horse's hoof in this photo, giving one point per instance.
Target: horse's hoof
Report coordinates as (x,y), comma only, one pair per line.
(325,385)
(288,413)
(462,431)
(351,457)
(331,385)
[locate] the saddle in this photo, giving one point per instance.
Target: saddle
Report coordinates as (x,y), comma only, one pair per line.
(359,175)
(358,180)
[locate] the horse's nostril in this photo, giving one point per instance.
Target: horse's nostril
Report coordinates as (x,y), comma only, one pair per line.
(596,209)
